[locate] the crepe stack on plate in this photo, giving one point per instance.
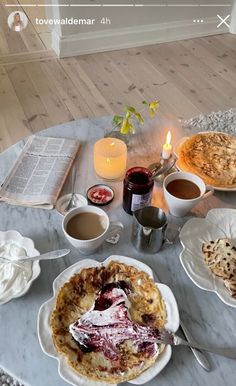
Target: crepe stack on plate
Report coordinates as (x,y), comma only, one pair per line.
(212,156)
(220,257)
(105,320)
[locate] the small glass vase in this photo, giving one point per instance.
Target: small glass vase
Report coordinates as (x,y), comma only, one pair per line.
(117,134)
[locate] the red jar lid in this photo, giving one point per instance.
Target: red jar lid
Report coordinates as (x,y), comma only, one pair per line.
(100,194)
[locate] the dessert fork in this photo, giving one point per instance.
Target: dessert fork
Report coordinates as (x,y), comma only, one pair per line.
(168,337)
(199,355)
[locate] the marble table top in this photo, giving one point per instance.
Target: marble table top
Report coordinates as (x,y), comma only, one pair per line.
(210,320)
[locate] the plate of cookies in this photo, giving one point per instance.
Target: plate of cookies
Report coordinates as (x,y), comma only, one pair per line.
(209,253)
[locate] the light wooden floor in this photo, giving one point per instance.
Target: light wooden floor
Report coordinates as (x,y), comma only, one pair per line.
(38,90)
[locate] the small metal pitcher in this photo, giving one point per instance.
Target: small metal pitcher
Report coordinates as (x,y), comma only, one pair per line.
(148,230)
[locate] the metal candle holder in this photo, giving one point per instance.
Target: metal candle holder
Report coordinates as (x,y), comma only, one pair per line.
(163,166)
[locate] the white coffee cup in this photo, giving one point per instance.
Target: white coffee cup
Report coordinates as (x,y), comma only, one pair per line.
(89,246)
(179,207)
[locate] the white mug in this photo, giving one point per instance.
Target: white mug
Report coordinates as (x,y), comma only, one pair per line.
(179,207)
(87,247)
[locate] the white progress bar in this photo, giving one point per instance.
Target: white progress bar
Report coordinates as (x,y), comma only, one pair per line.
(119,5)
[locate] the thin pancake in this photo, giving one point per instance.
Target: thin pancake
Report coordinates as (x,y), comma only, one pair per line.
(212,156)
(78,295)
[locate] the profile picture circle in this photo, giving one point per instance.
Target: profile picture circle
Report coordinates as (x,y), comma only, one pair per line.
(17,21)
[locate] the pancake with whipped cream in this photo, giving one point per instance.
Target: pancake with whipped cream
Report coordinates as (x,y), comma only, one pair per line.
(106,322)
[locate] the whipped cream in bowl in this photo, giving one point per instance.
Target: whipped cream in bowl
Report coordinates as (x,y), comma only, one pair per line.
(16,277)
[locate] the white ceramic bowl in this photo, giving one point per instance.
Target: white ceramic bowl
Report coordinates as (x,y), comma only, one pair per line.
(44,330)
(28,245)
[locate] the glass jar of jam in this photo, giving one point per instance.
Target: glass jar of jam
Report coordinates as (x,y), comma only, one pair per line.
(138,186)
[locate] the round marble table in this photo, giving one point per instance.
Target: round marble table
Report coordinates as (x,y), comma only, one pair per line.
(210,321)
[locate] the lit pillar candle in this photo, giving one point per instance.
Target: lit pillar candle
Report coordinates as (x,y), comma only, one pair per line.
(110,157)
(167,147)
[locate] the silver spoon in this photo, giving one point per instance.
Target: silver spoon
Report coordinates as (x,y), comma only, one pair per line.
(45,256)
(72,202)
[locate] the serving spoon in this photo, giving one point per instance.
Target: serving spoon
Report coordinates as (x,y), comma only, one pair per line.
(45,256)
(72,201)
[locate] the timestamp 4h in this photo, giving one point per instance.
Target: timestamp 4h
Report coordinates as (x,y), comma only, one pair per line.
(105,20)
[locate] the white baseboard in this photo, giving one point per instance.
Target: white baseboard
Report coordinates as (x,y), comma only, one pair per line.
(115,39)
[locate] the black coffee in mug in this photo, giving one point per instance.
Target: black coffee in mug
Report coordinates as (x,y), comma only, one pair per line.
(184,189)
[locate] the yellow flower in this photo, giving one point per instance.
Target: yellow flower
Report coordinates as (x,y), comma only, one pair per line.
(153,106)
(126,127)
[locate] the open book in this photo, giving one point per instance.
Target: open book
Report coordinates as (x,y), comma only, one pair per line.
(40,171)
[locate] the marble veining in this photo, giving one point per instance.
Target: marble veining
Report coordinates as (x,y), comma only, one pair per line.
(210,320)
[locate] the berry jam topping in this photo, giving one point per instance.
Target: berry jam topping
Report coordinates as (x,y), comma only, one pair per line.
(105,299)
(100,194)
(108,324)
(118,284)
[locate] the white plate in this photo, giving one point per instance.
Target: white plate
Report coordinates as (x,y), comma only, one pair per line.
(176,151)
(28,245)
(219,223)
(44,330)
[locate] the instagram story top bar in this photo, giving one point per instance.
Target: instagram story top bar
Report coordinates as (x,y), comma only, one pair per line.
(119,5)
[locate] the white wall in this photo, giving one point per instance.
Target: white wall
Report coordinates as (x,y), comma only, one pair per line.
(133,26)
(233,18)
(54,13)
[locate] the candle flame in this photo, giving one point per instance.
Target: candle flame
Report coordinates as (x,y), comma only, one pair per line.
(108,160)
(168,138)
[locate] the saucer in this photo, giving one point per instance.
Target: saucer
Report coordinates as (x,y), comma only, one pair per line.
(63,201)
